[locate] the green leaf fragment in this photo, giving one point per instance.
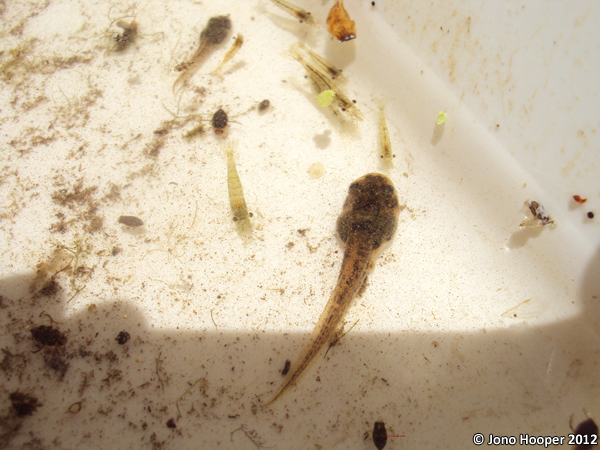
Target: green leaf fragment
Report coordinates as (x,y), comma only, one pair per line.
(442,116)
(325,98)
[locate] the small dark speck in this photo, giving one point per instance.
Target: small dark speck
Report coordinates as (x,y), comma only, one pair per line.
(372,3)
(590,215)
(122,337)
(264,105)
(171,423)
(497,125)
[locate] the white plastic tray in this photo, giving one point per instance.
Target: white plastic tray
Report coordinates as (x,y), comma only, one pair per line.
(437,353)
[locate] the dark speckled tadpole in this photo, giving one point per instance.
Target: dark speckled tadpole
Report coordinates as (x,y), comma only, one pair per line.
(366,226)
(214,34)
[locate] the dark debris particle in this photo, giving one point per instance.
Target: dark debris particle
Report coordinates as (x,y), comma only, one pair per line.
(379,435)
(24,404)
(264,105)
(286,367)
(122,337)
(47,335)
(131,221)
(116,251)
(50,288)
(171,423)
(54,361)
(590,215)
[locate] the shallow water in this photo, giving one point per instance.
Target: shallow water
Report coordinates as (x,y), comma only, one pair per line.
(437,352)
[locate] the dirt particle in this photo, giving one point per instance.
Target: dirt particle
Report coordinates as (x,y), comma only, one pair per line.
(50,288)
(113,376)
(54,361)
(13,364)
(24,404)
(171,423)
(590,215)
(286,367)
(47,335)
(122,337)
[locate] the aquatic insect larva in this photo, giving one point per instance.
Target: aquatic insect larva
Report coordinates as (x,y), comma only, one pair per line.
(235,47)
(299,13)
(384,136)
(236,194)
(130,221)
(262,106)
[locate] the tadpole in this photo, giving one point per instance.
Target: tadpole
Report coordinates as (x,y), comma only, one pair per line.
(214,34)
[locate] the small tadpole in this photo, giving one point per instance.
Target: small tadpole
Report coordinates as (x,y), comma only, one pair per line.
(130,221)
(214,34)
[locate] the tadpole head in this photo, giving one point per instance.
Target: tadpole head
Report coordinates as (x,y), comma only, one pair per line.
(217,30)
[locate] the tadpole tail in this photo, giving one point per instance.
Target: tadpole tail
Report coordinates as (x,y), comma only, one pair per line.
(355,266)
